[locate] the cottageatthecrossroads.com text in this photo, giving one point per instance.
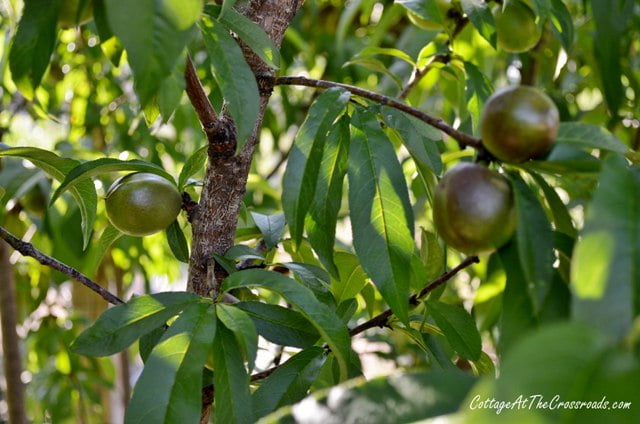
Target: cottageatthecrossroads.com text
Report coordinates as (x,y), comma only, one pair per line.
(538,401)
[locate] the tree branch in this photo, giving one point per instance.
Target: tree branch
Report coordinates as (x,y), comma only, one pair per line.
(27,249)
(462,137)
(206,114)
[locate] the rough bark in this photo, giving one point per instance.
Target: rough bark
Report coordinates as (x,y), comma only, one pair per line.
(215,218)
(214,222)
(12,359)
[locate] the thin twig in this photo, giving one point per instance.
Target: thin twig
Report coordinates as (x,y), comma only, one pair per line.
(462,137)
(27,249)
(419,73)
(381,319)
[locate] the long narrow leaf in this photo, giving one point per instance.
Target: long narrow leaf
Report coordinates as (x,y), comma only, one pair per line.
(326,322)
(121,325)
(381,215)
(169,388)
(300,178)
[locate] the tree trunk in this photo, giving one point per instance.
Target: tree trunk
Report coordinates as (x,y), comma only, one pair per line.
(214,222)
(12,359)
(215,219)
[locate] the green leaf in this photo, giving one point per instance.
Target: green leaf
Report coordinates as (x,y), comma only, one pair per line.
(477,90)
(352,277)
(231,381)
(591,136)
(33,44)
(562,24)
(611,20)
(169,388)
(227,8)
(252,35)
(535,240)
(323,212)
(177,242)
(565,159)
(403,398)
(479,13)
(236,320)
(518,315)
(271,227)
(426,9)
(150,340)
(333,331)
(193,164)
(381,215)
(303,166)
(171,90)
(289,383)
(97,251)
(280,325)
(84,192)
(103,165)
(432,254)
(386,51)
(606,259)
(234,77)
(421,144)
(458,327)
(240,252)
(1,192)
(561,217)
(154,33)
(376,66)
(121,325)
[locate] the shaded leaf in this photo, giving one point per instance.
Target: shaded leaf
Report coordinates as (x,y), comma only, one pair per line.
(121,325)
(194,163)
(458,327)
(252,35)
(479,13)
(234,77)
(580,134)
(154,33)
(280,325)
(323,212)
(535,240)
(352,277)
(562,23)
(33,44)
(84,192)
(271,227)
(323,319)
(168,390)
(231,381)
(303,166)
(177,242)
(606,261)
(289,383)
(403,398)
(242,327)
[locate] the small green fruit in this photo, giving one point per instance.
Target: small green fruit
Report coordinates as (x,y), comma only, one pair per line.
(516,27)
(140,204)
(71,15)
(473,209)
(519,123)
(35,201)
